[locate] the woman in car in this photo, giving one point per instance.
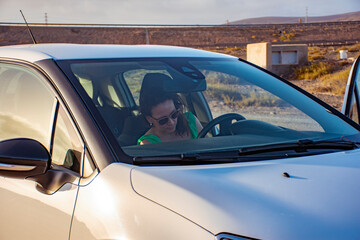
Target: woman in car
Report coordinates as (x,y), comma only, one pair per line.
(164,112)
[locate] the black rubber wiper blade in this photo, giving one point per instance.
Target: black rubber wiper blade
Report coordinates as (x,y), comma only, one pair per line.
(300,146)
(163,159)
(267,152)
(339,143)
(189,158)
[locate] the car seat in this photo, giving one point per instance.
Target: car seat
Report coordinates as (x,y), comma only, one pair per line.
(134,128)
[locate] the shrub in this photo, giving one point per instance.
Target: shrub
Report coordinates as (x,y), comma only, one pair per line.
(284,36)
(260,100)
(231,97)
(354,48)
(227,99)
(224,92)
(316,53)
(313,71)
(336,82)
(315,57)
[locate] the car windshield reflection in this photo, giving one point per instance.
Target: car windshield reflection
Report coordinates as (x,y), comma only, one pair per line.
(165,106)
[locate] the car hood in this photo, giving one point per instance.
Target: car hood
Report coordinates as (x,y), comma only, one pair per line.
(320,199)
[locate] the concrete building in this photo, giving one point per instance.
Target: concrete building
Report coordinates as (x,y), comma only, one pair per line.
(279,59)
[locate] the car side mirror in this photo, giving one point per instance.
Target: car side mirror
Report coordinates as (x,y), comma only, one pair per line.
(22,158)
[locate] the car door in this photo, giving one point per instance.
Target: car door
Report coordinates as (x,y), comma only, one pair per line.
(30,108)
(352,94)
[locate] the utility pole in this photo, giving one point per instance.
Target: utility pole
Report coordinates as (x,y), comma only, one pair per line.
(46,18)
(147,37)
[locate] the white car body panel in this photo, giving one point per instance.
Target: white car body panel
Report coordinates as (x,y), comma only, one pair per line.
(50,212)
(35,52)
(109,208)
(321,196)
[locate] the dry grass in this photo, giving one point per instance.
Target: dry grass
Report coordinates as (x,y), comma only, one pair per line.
(316,53)
(235,51)
(231,97)
(313,71)
(352,48)
(336,83)
(327,72)
(285,36)
(325,78)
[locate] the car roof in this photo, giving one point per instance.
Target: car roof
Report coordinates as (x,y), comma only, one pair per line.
(63,51)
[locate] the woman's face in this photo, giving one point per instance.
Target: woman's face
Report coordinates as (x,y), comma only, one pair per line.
(164,110)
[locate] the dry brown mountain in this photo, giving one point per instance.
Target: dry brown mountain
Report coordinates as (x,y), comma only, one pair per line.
(353,16)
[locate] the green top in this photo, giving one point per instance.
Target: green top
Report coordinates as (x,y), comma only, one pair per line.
(190,118)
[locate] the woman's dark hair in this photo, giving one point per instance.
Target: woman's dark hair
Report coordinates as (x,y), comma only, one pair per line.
(152,95)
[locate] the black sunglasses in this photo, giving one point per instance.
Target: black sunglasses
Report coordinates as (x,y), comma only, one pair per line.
(164,120)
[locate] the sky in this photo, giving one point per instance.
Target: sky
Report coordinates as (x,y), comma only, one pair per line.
(166,11)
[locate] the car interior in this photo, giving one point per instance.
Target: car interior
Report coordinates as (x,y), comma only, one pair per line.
(116,104)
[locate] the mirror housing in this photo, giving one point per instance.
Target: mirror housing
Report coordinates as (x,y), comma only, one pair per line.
(22,158)
(186,78)
(185,85)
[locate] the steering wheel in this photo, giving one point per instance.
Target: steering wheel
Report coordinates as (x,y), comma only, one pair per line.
(224,121)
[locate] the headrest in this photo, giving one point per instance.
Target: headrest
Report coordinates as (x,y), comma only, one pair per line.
(154,82)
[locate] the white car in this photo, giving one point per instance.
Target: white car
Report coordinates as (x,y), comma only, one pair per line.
(272,161)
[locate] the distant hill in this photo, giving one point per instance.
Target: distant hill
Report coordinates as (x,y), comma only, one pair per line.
(353,16)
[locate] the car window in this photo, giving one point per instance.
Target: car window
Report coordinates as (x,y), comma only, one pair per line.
(27,110)
(68,147)
(26,105)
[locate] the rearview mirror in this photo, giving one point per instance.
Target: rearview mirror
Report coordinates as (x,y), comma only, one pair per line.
(177,83)
(185,85)
(186,78)
(22,158)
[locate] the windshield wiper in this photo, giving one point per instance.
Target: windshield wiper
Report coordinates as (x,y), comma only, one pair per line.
(190,158)
(267,152)
(301,146)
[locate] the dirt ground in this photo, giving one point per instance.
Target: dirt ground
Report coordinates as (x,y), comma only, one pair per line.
(330,55)
(308,85)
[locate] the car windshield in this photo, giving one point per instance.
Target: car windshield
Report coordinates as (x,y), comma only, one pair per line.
(254,108)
